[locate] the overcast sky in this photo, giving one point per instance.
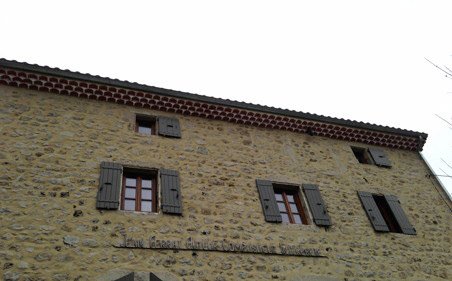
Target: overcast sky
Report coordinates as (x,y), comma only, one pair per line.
(360,60)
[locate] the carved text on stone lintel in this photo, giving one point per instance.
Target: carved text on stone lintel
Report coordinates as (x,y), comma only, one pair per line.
(219,246)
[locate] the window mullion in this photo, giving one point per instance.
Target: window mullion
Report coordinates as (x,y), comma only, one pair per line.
(289,212)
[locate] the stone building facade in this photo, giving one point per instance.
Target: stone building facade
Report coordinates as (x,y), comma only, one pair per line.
(225,190)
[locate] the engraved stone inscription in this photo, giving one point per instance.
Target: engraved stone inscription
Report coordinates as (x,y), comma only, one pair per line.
(219,246)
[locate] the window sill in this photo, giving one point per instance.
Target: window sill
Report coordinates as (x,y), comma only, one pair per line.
(140,213)
(141,135)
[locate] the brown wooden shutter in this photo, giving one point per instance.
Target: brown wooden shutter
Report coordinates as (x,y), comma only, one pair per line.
(268,201)
(379,157)
(316,205)
(153,277)
(373,212)
(171,195)
(128,277)
(399,215)
(169,127)
(109,186)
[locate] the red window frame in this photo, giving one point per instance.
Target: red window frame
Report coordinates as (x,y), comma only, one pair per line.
(285,192)
(139,177)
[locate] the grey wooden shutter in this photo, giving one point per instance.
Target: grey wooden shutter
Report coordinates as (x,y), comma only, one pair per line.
(379,157)
(316,205)
(399,215)
(169,127)
(171,195)
(109,186)
(153,277)
(268,201)
(128,277)
(373,212)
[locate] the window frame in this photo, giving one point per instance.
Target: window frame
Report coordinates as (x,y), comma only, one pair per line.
(295,191)
(362,155)
(139,175)
(150,120)
(386,213)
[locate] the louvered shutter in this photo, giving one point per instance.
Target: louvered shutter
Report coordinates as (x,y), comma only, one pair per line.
(379,157)
(109,186)
(169,127)
(399,215)
(171,195)
(373,212)
(268,201)
(316,205)
(153,277)
(128,277)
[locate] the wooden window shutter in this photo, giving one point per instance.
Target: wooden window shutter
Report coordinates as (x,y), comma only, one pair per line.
(109,186)
(316,205)
(268,201)
(169,127)
(399,215)
(128,277)
(379,157)
(171,195)
(373,212)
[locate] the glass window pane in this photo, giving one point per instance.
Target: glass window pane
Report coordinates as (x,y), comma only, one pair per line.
(282,207)
(146,183)
(144,130)
(293,208)
(297,218)
(278,197)
(146,194)
(290,198)
(130,193)
(285,217)
(129,205)
(131,182)
(146,206)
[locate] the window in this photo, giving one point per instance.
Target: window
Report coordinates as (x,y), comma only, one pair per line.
(145,125)
(371,156)
(289,205)
(286,203)
(139,192)
(362,155)
(163,126)
(385,213)
(137,189)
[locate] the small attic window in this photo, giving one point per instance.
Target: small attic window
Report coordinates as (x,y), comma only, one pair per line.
(145,125)
(362,155)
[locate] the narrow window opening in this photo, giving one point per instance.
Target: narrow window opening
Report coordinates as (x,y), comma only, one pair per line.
(362,155)
(387,214)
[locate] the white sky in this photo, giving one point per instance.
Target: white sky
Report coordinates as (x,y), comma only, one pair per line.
(360,60)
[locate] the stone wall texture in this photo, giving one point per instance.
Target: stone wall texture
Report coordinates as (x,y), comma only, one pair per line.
(51,148)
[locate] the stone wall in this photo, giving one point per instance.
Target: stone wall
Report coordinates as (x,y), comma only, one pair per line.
(51,150)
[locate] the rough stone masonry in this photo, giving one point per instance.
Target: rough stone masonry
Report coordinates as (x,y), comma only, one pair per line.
(51,149)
